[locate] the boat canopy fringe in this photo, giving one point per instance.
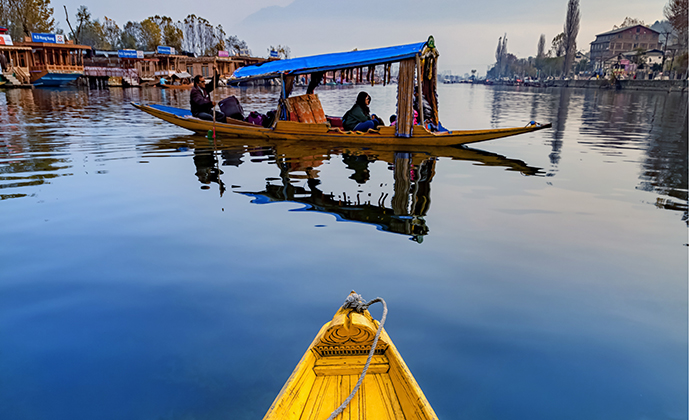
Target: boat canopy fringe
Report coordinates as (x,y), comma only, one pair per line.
(429,60)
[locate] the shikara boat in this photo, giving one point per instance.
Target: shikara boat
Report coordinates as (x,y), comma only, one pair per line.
(178,81)
(332,365)
(303,118)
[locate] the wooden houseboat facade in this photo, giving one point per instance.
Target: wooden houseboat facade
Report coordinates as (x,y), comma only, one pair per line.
(54,61)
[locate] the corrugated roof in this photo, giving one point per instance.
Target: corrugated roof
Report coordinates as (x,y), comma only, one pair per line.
(329,62)
(615,31)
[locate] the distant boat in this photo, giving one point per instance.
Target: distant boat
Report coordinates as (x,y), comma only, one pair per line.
(332,365)
(181,80)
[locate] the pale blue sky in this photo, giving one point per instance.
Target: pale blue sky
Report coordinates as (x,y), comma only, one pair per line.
(466,33)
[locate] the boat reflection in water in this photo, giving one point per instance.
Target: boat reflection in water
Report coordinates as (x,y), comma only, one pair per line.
(399,211)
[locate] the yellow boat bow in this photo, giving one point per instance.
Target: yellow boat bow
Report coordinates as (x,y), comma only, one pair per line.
(331,367)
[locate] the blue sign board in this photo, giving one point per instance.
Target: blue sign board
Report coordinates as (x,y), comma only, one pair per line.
(274,54)
(166,50)
(48,38)
(130,54)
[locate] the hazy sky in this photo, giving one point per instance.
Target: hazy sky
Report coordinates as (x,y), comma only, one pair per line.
(466,32)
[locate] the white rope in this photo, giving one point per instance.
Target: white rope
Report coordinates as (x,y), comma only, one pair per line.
(355,302)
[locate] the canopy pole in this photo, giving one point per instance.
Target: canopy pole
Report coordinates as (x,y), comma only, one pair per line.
(420,104)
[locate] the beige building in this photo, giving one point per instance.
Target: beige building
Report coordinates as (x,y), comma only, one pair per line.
(613,43)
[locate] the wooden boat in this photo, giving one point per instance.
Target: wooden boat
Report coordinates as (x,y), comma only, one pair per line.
(332,365)
(291,130)
(187,86)
(181,80)
(303,118)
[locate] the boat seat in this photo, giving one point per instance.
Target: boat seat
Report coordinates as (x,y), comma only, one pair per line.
(336,122)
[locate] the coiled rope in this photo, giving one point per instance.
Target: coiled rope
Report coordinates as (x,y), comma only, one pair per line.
(356,303)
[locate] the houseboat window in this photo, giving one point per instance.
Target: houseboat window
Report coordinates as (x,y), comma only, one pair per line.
(190,70)
(51,59)
(204,70)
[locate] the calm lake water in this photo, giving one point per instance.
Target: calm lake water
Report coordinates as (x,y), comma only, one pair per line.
(542,276)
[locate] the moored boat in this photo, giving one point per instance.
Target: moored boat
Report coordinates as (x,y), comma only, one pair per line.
(303,117)
(351,354)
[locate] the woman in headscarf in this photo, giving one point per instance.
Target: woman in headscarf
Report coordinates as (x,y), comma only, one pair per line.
(358,118)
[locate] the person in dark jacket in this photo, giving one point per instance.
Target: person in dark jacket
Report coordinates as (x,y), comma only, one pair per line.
(358,118)
(201,103)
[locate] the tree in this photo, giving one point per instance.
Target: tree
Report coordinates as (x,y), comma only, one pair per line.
(540,46)
(129,38)
(235,44)
(628,21)
(282,50)
(111,33)
(22,17)
(89,32)
(570,31)
(150,35)
(676,11)
(171,34)
(558,45)
(501,51)
(201,38)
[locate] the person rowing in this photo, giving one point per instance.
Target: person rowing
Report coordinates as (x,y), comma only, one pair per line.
(201,103)
(358,118)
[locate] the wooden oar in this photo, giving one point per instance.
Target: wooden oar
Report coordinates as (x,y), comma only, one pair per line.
(214,107)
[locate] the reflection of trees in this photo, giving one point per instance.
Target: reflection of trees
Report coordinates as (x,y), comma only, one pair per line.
(665,168)
(559,126)
(656,123)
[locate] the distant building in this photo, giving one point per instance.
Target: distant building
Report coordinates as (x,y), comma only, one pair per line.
(611,44)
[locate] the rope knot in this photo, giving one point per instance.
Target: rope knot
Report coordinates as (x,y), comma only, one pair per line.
(354,302)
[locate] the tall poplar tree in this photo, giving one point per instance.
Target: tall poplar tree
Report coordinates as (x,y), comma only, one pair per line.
(570,31)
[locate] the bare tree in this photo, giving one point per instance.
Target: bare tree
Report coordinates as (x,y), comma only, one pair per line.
(628,21)
(501,51)
(676,11)
(570,31)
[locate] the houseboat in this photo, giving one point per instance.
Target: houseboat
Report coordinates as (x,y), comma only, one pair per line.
(54,61)
(14,60)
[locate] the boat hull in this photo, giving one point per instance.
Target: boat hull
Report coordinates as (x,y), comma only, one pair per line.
(176,87)
(291,130)
(51,79)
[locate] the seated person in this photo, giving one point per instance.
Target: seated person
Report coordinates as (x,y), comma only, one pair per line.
(201,103)
(393,119)
(358,118)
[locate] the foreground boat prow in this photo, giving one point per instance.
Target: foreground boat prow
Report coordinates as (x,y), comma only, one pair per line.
(331,367)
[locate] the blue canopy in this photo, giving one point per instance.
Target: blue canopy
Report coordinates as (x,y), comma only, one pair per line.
(329,62)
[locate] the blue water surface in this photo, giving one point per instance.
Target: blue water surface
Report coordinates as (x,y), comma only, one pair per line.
(542,276)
